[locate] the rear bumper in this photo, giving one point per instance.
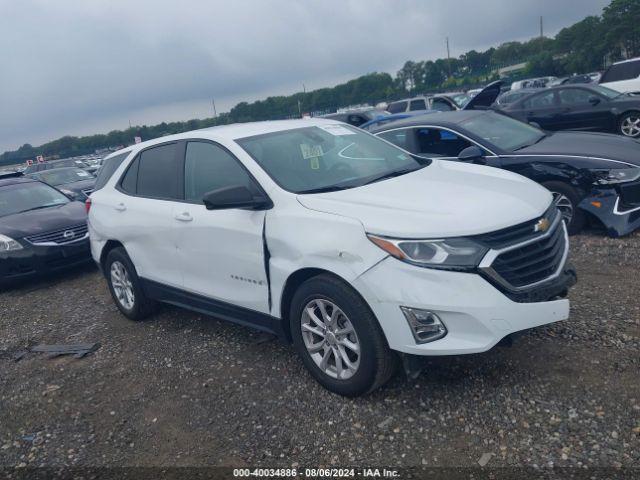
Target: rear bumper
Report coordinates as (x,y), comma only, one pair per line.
(40,260)
(617,208)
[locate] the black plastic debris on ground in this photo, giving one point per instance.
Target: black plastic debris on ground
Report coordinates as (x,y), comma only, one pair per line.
(77,350)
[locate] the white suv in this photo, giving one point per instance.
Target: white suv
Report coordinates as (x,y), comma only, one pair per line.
(333,239)
(623,76)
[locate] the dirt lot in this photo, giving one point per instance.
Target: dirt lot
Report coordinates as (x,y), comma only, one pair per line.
(183,389)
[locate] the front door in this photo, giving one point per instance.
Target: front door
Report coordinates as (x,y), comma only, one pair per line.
(221,252)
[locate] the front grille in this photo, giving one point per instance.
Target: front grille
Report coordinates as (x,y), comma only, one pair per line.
(536,258)
(518,233)
(59,237)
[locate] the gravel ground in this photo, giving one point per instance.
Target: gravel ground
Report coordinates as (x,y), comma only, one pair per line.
(187,390)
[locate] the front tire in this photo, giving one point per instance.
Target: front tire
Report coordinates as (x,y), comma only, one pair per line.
(125,286)
(567,199)
(629,125)
(338,337)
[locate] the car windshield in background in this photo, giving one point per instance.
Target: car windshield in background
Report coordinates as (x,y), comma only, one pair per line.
(64,176)
(461,99)
(327,157)
(607,92)
(504,132)
(23,197)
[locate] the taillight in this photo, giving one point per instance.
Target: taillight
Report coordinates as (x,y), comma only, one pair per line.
(87,204)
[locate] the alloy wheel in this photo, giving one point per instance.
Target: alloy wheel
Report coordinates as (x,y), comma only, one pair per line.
(330,339)
(122,286)
(631,126)
(564,205)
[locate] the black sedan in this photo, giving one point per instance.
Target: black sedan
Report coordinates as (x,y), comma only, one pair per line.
(579,107)
(588,173)
(76,183)
(66,162)
(41,230)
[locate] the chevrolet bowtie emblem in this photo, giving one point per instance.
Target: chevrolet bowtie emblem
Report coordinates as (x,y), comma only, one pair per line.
(542,225)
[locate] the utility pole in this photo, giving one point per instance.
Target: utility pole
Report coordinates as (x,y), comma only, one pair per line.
(448,57)
(213,103)
(541,28)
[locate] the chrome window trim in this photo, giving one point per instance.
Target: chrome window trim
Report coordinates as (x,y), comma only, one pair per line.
(487,262)
(493,155)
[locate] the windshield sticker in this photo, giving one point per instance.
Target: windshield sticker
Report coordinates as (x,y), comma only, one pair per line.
(337,130)
(311,151)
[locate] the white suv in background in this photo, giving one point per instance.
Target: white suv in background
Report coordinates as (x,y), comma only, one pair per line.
(623,76)
(331,238)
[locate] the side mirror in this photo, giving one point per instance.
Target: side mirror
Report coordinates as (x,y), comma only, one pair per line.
(594,101)
(236,196)
(471,154)
(535,124)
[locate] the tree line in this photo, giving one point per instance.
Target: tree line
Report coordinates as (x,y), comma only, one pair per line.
(586,46)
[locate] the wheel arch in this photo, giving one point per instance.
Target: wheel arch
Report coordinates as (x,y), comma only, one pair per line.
(293,282)
(108,246)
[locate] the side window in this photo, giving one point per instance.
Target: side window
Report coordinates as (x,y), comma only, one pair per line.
(541,100)
(441,105)
(130,180)
(209,167)
(397,137)
(432,142)
(622,71)
(417,105)
(397,107)
(109,166)
(158,172)
(574,96)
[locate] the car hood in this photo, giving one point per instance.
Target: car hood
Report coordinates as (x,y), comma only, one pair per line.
(587,144)
(444,199)
(44,220)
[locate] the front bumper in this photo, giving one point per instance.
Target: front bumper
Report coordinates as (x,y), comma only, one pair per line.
(476,314)
(40,260)
(618,208)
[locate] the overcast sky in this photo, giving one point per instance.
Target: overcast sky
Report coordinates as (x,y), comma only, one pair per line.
(81,67)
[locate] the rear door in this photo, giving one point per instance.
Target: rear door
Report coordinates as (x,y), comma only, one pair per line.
(142,217)
(577,113)
(221,252)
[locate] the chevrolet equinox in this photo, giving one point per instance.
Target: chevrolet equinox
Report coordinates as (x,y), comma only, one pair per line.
(358,253)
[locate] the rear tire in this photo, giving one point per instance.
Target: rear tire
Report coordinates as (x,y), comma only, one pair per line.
(629,125)
(125,286)
(344,371)
(567,199)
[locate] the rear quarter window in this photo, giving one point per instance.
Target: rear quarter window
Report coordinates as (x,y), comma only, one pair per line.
(397,107)
(621,72)
(108,168)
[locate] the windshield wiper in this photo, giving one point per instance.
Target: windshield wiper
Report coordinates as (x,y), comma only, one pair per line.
(39,208)
(393,174)
(531,144)
(328,188)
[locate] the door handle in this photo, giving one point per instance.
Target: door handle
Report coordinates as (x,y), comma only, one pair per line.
(184,217)
(121,207)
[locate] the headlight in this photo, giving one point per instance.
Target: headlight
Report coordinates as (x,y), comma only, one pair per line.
(616,175)
(8,244)
(446,254)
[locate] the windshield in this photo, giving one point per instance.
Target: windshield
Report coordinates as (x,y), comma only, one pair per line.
(607,92)
(461,99)
(63,176)
(327,157)
(22,197)
(502,131)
